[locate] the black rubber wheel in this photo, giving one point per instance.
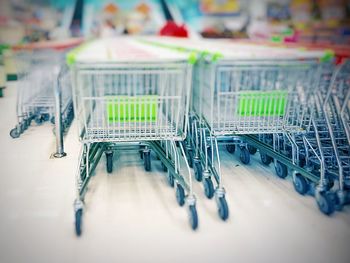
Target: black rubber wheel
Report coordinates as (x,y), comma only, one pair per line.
(231,148)
(170,179)
(300,184)
(252,150)
(180,195)
(52,120)
(46,117)
(190,157)
(147,160)
(244,156)
(208,188)
(198,171)
(265,159)
(109,162)
(39,119)
(14,133)
(325,202)
(78,221)
(223,208)
(193,217)
(281,170)
(28,122)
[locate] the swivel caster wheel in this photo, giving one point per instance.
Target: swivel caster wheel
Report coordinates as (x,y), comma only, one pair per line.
(78,221)
(147,160)
(222,208)
(193,216)
(208,187)
(180,195)
(265,159)
(14,133)
(252,150)
(325,202)
(231,148)
(300,183)
(281,170)
(39,120)
(190,157)
(198,171)
(109,162)
(244,156)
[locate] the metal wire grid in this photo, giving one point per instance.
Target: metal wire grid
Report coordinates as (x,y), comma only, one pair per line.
(132,102)
(38,72)
(220,87)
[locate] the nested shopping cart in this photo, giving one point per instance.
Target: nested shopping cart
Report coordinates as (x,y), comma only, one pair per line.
(38,83)
(132,97)
(238,91)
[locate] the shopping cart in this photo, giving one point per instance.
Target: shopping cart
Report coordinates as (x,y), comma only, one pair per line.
(38,73)
(238,91)
(128,96)
(331,137)
(323,151)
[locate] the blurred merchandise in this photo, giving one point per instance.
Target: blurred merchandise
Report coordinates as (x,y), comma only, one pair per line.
(172,29)
(107,18)
(23,21)
(212,18)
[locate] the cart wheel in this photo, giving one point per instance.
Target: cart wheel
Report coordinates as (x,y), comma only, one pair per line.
(180,195)
(198,171)
(222,208)
(190,158)
(281,170)
(193,216)
(28,122)
(46,117)
(14,133)
(252,150)
(170,179)
(231,148)
(244,156)
(39,119)
(265,159)
(109,160)
(325,202)
(165,169)
(147,160)
(300,184)
(78,221)
(208,188)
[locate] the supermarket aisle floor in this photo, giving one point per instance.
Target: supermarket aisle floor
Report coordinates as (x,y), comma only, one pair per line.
(132,216)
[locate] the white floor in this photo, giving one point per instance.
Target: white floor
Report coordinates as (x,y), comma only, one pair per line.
(132,216)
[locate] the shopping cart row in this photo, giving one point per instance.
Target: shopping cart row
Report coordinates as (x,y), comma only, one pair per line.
(182,99)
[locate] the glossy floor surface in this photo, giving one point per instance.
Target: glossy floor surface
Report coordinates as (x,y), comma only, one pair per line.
(132,215)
